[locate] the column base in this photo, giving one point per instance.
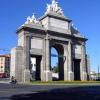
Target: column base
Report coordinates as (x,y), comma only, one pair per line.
(70,76)
(27,76)
(33,76)
(47,76)
(84,76)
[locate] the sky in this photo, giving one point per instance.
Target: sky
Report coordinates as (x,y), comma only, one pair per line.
(85,15)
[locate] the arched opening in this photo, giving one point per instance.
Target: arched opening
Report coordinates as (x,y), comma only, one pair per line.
(57,62)
(54,64)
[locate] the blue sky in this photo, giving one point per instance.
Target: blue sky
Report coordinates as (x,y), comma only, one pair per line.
(84,13)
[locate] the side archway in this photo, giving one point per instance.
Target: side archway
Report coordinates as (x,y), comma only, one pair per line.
(57,55)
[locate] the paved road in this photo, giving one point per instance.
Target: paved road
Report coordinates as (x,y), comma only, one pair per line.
(51,92)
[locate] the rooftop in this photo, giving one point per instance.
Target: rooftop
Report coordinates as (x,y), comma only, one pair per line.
(6,55)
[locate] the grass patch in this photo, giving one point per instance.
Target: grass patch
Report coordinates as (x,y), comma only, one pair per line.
(66,83)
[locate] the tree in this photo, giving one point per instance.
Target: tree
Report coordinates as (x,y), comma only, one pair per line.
(55,69)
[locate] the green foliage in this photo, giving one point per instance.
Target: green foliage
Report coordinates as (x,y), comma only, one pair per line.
(55,69)
(75,83)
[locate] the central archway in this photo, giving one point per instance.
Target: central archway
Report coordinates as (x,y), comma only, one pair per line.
(57,57)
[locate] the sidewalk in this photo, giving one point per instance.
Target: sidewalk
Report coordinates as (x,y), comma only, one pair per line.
(4,80)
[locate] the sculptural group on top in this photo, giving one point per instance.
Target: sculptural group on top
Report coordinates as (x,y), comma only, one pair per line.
(54,7)
(31,20)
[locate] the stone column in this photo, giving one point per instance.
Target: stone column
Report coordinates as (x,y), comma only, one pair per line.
(43,63)
(61,67)
(27,76)
(47,60)
(70,72)
(47,54)
(42,69)
(83,63)
(65,62)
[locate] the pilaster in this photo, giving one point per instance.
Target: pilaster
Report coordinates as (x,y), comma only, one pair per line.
(70,72)
(83,63)
(48,73)
(26,74)
(65,62)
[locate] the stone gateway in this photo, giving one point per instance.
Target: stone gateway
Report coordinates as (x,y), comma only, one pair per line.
(35,40)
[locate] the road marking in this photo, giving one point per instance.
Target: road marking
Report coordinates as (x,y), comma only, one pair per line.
(14,90)
(7,90)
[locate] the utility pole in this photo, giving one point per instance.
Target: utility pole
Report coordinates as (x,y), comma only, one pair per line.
(98,71)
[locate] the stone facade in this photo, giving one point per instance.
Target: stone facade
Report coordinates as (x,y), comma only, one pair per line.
(35,39)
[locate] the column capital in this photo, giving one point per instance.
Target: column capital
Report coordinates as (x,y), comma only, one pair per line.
(83,43)
(47,37)
(70,42)
(28,36)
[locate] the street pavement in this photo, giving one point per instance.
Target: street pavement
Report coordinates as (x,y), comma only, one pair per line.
(48,92)
(4,80)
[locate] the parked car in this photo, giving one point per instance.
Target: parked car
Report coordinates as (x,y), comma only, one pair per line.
(3,75)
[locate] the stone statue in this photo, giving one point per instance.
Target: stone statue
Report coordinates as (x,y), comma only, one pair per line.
(54,7)
(28,20)
(60,11)
(31,20)
(48,8)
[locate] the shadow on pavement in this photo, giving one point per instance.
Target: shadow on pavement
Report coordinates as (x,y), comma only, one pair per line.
(62,94)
